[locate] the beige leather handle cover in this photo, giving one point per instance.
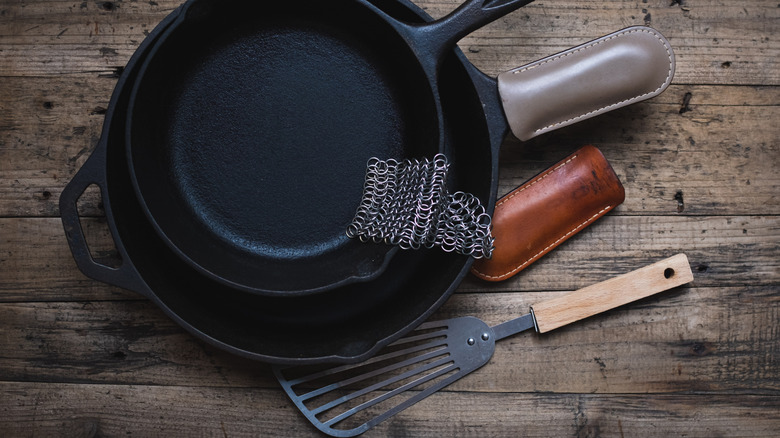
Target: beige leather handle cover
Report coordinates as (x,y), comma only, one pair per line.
(616,70)
(588,301)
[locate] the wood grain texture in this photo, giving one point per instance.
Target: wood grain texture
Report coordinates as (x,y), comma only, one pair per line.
(713,340)
(149,411)
(699,164)
(716,42)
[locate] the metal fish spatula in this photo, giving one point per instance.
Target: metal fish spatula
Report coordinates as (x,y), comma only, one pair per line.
(347,400)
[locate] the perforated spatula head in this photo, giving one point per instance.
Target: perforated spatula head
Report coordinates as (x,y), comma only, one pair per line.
(341,401)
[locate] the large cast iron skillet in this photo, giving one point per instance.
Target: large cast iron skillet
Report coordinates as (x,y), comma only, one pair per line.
(250,125)
(348,323)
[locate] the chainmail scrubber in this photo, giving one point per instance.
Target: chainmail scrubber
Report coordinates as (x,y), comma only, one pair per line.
(406,203)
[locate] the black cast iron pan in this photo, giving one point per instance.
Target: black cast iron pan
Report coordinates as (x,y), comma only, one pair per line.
(346,325)
(250,125)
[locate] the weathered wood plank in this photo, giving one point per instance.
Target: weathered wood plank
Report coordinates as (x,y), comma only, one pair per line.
(715,41)
(691,339)
(702,158)
(688,339)
(121,342)
(717,248)
(76,38)
(107,410)
(710,38)
(36,264)
(716,151)
(48,128)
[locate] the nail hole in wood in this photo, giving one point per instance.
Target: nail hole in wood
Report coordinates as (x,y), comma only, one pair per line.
(668,273)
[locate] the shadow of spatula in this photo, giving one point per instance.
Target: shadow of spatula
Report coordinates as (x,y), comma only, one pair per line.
(347,400)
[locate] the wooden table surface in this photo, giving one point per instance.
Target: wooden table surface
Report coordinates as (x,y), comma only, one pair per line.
(699,163)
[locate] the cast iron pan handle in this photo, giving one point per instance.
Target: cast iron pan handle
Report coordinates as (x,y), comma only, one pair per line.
(438,37)
(93,172)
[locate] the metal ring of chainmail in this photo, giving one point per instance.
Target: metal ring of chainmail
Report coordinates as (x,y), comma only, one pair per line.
(406,203)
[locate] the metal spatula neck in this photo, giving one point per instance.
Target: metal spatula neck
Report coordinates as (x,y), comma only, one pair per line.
(514,326)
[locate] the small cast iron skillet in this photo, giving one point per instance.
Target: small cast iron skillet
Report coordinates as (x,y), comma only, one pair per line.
(250,125)
(347,324)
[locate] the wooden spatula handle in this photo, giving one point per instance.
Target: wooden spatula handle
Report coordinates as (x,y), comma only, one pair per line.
(612,293)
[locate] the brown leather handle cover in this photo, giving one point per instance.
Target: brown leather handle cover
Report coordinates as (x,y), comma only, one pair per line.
(547,210)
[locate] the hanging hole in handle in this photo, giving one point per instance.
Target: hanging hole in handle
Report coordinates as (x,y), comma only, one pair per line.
(668,273)
(94,225)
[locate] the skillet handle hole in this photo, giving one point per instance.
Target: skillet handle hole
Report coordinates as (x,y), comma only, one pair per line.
(94,225)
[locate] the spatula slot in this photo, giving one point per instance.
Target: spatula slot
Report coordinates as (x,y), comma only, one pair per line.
(355,408)
(308,380)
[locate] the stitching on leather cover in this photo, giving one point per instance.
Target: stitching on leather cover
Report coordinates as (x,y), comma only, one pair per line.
(540,253)
(532,183)
(512,195)
(649,31)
